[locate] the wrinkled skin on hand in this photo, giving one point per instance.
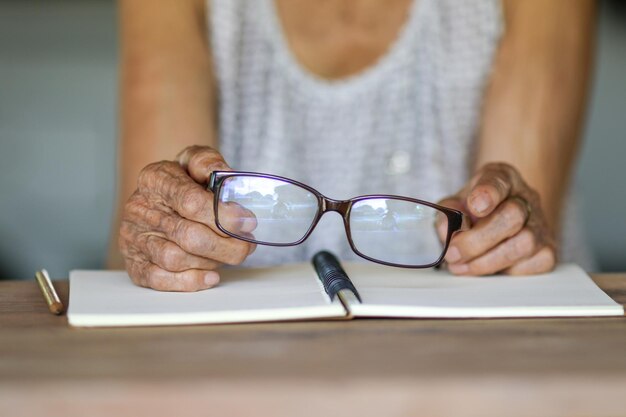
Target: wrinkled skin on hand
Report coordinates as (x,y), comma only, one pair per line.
(505,229)
(168,236)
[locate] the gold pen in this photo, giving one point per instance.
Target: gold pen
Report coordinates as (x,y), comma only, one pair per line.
(52,299)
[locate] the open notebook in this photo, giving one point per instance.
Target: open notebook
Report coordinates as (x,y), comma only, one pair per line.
(294,292)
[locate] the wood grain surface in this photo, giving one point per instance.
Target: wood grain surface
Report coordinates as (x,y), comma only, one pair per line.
(368,366)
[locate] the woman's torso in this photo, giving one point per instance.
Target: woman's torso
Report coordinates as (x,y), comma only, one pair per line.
(405,124)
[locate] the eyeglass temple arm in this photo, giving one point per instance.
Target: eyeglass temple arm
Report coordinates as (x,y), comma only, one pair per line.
(458,226)
(212,181)
(464,226)
(458,223)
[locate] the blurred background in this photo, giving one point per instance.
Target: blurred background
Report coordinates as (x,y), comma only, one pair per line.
(58,84)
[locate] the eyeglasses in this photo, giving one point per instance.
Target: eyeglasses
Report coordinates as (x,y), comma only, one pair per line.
(390,230)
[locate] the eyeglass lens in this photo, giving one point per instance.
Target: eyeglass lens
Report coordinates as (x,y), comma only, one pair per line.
(284,212)
(278,212)
(396,231)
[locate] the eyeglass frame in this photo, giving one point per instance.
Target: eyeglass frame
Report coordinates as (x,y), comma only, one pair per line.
(343,207)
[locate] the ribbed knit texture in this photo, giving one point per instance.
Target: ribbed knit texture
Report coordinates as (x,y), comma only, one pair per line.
(405,125)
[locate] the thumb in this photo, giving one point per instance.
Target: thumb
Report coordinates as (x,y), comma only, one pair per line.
(493,184)
(201,161)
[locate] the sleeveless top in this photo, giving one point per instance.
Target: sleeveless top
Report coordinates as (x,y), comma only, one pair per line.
(405,125)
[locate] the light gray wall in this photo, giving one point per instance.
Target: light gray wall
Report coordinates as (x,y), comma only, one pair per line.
(602,169)
(57,134)
(57,138)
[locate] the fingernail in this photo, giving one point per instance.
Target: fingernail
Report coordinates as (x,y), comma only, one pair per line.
(453,255)
(480,203)
(211,279)
(459,269)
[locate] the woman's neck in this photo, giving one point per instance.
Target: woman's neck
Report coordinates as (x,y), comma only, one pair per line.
(338,38)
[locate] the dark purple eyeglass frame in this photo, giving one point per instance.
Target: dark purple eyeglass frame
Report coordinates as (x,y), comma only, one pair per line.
(325,204)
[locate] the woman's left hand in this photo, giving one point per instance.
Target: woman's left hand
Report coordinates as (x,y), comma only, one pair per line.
(507,231)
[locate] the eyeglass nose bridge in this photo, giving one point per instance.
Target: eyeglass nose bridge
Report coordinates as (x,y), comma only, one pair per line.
(339,206)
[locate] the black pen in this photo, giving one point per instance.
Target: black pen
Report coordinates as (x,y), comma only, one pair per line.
(336,281)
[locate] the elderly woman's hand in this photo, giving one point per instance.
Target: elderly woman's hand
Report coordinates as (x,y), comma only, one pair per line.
(507,230)
(168,235)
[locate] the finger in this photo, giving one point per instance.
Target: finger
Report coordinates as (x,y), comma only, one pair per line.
(171,257)
(200,240)
(152,246)
(126,239)
(506,254)
(193,237)
(490,187)
(235,218)
(146,274)
(189,280)
(508,220)
(201,161)
(541,262)
(171,185)
(190,200)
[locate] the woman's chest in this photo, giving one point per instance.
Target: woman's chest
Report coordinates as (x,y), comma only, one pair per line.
(338,38)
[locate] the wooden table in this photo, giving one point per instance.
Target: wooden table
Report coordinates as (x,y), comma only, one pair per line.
(525,367)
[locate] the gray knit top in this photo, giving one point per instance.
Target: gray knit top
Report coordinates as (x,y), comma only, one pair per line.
(405,125)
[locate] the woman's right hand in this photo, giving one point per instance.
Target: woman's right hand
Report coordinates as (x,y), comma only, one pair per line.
(168,236)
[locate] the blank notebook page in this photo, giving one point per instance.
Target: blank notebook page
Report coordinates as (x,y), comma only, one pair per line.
(109,298)
(397,292)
